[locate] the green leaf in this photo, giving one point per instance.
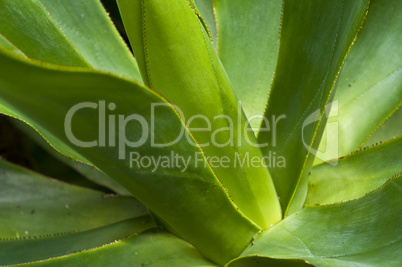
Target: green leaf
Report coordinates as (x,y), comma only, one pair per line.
(315,39)
(31,248)
(207,10)
(95,175)
(199,200)
(33,205)
(252,261)
(78,34)
(248,46)
(362,232)
(28,26)
(86,170)
(150,248)
(35,158)
(89,28)
(388,130)
(176,58)
(356,174)
(370,85)
(7,45)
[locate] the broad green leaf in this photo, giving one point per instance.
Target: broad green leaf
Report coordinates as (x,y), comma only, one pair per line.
(33,205)
(315,39)
(86,170)
(207,10)
(199,200)
(356,174)
(151,248)
(388,130)
(87,25)
(362,232)
(24,151)
(248,46)
(95,175)
(28,26)
(32,248)
(370,85)
(6,44)
(79,33)
(176,59)
(252,261)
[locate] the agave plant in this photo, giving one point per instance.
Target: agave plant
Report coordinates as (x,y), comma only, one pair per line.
(233,137)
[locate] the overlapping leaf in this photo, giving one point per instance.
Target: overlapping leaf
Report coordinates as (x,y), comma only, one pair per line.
(370,85)
(89,28)
(207,10)
(356,174)
(28,26)
(315,39)
(178,190)
(33,248)
(6,44)
(176,58)
(77,34)
(362,232)
(248,44)
(150,248)
(87,171)
(33,205)
(388,130)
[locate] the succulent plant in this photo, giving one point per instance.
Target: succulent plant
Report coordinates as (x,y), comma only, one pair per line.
(237,133)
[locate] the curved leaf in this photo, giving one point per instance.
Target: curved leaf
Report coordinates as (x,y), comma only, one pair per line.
(27,153)
(95,175)
(28,26)
(388,130)
(251,261)
(33,205)
(150,248)
(32,248)
(362,232)
(356,174)
(86,170)
(248,46)
(75,34)
(7,45)
(172,193)
(207,10)
(370,85)
(178,60)
(315,39)
(88,27)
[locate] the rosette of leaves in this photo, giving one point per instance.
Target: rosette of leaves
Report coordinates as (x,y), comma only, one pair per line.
(331,69)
